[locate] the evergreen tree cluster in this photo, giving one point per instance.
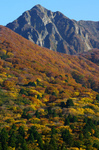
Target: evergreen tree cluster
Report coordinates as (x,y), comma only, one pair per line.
(19,139)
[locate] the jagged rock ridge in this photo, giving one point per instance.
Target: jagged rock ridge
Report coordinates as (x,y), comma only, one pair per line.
(55,31)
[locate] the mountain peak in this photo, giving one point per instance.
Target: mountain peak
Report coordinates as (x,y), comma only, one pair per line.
(39,7)
(55,31)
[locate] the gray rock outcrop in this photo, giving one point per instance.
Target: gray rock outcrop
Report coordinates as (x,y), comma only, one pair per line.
(55,31)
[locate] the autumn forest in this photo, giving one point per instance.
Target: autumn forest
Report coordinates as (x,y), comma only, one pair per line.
(48,100)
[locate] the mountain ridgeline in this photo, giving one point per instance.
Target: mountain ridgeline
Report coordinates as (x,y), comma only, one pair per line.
(55,31)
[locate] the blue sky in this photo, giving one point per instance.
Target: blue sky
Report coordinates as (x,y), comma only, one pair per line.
(74,9)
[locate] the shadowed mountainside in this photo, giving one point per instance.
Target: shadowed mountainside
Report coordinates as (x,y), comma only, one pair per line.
(55,31)
(92,55)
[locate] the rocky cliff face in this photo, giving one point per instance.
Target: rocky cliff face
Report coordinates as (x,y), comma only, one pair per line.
(55,31)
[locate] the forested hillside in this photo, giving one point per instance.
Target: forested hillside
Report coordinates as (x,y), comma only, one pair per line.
(92,55)
(48,100)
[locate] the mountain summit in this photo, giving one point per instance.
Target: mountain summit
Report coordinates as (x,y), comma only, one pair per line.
(55,31)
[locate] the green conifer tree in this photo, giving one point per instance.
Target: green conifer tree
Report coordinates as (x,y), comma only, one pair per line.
(31,138)
(67,121)
(37,114)
(12,140)
(21,131)
(24,145)
(4,139)
(69,103)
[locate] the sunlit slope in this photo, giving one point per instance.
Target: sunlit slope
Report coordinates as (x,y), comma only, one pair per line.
(29,57)
(48,96)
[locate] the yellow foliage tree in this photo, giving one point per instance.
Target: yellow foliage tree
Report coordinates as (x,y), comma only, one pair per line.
(89,110)
(9,84)
(10,54)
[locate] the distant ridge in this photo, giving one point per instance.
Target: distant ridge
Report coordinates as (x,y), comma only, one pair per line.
(55,31)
